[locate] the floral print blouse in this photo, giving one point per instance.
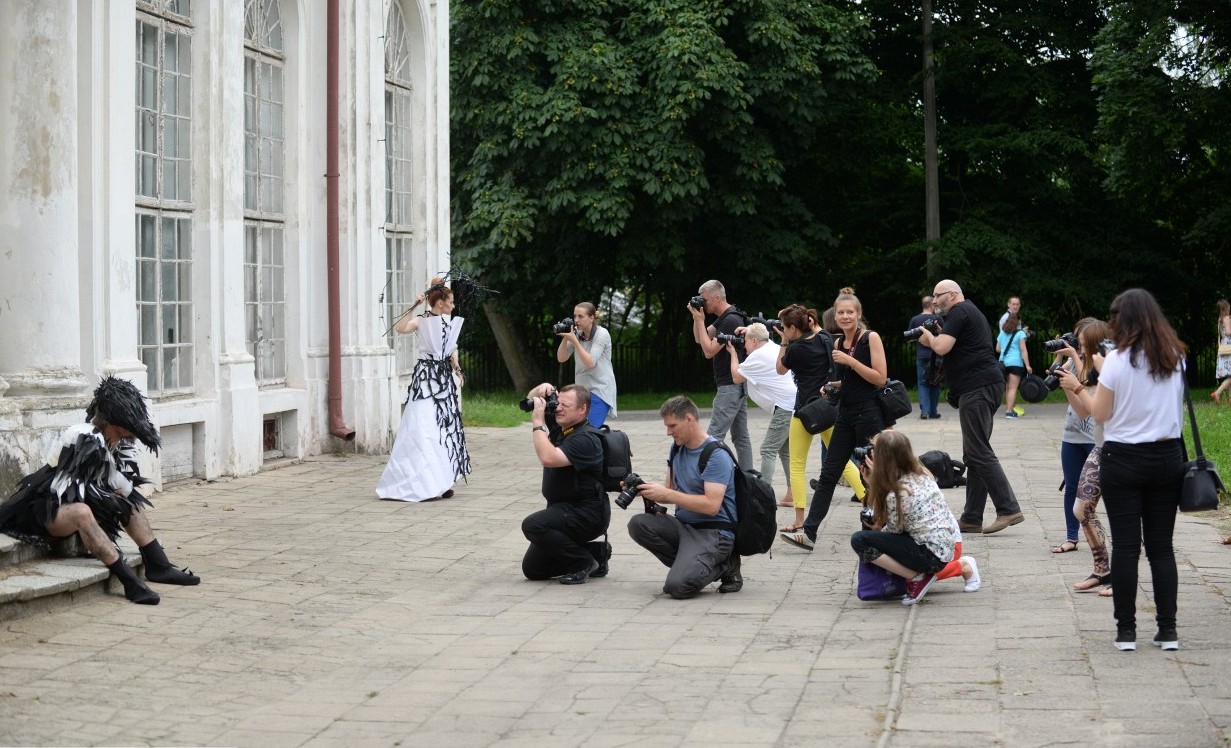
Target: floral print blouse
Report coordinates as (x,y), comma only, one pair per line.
(928,519)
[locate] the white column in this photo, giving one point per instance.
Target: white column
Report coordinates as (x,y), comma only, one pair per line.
(39,182)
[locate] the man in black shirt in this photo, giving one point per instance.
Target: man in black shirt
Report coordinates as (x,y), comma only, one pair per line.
(730,411)
(561,536)
(974,378)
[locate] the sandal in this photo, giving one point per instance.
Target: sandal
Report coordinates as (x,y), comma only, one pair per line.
(1067,546)
(791,528)
(786,504)
(1105,592)
(1092,583)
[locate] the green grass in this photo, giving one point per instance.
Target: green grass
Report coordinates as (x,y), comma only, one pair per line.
(499,407)
(1214,424)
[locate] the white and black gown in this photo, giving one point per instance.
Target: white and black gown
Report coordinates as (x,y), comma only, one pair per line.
(429,453)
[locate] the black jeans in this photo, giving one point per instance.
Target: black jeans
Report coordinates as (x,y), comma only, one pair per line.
(559,537)
(977,410)
(1141,492)
(856,424)
(899,546)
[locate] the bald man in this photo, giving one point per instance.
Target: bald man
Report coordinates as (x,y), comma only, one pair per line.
(966,342)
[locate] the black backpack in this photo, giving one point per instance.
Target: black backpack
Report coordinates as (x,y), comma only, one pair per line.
(617,457)
(756,508)
(949,473)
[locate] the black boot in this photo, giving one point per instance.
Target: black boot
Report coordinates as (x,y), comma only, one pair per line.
(732,581)
(601,551)
(159,569)
(134,588)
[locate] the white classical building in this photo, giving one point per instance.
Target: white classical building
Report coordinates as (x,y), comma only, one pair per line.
(166,216)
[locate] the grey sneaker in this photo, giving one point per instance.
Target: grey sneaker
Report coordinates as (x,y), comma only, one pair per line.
(798,539)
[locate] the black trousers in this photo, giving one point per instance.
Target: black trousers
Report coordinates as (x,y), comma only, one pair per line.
(558,538)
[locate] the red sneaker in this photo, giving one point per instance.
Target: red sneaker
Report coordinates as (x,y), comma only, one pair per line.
(918,587)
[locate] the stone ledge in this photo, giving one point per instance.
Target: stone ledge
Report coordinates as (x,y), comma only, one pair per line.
(43,577)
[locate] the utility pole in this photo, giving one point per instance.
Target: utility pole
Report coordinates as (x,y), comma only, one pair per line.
(931,179)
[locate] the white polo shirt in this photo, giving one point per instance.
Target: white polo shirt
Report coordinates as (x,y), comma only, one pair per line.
(766,386)
(1144,410)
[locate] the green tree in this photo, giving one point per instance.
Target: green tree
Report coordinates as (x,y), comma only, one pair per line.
(624,144)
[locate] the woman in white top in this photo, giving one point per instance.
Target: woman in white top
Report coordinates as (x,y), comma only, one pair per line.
(592,346)
(1138,401)
(429,453)
(913,532)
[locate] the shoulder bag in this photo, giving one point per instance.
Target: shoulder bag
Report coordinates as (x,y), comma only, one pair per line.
(877,584)
(1202,485)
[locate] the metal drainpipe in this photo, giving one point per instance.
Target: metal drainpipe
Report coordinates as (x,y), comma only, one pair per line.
(337,426)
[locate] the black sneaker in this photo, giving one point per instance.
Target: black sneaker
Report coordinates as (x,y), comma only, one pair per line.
(579,577)
(1167,640)
(1126,640)
(732,581)
(601,550)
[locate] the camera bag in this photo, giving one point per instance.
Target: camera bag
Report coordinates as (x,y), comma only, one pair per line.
(617,457)
(949,473)
(756,508)
(1032,388)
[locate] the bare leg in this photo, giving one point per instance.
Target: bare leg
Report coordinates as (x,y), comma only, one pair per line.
(1010,392)
(892,566)
(138,528)
(158,568)
(77,518)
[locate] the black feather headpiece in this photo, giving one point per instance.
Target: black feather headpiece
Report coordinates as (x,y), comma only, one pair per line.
(119,402)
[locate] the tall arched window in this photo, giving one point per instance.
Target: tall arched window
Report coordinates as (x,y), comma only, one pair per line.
(399,229)
(164,194)
(264,170)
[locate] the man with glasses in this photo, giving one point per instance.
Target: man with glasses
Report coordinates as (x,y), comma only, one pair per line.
(562,544)
(974,380)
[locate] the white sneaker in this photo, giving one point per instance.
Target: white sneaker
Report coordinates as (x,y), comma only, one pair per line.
(972,584)
(798,539)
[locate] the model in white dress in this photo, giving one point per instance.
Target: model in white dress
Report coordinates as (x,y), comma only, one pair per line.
(429,452)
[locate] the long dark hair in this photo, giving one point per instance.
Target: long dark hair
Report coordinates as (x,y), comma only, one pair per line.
(892,460)
(1139,327)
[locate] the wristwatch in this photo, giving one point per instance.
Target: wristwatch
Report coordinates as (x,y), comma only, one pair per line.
(539,428)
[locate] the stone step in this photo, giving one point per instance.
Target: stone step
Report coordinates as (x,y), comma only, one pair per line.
(43,580)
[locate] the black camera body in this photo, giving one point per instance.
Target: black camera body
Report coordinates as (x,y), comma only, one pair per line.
(769,323)
(565,325)
(553,402)
(1105,347)
(724,337)
(1052,380)
(832,392)
(933,326)
(865,517)
(631,482)
(697,302)
(860,454)
(1067,340)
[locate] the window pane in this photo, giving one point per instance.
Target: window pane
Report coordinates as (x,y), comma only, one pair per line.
(170,284)
(170,365)
(185,322)
(149,357)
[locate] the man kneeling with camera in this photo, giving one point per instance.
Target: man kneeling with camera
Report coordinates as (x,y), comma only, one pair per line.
(698,541)
(577,511)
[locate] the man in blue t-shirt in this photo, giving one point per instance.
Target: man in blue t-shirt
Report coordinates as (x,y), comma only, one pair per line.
(698,541)
(974,377)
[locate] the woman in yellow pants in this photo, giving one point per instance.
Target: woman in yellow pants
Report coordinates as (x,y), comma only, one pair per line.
(806,352)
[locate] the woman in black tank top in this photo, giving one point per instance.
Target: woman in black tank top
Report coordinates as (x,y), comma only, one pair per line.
(859,364)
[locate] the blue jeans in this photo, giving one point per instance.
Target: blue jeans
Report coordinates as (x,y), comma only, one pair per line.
(598,411)
(977,411)
(929,394)
(731,414)
(857,423)
(1072,457)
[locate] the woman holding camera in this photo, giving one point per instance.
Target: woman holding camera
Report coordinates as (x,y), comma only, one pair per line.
(592,345)
(1138,400)
(859,372)
(1077,439)
(912,533)
(1011,345)
(1222,368)
(806,353)
(429,453)
(1085,486)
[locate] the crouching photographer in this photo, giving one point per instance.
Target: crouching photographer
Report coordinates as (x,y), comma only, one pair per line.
(562,536)
(697,542)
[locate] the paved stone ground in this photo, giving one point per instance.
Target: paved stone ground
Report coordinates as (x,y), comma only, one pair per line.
(328,618)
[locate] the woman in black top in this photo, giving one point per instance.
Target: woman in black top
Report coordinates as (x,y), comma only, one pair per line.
(805,352)
(859,367)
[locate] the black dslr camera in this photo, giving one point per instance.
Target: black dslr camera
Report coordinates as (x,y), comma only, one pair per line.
(631,482)
(565,325)
(728,338)
(1067,340)
(697,302)
(860,455)
(553,402)
(865,517)
(1052,380)
(933,326)
(769,323)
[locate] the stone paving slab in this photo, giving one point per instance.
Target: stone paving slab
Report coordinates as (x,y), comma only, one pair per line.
(329,618)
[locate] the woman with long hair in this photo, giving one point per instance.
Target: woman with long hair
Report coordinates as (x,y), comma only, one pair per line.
(429,453)
(1086,488)
(591,343)
(1222,369)
(859,372)
(806,353)
(1011,345)
(1076,440)
(913,533)
(1138,401)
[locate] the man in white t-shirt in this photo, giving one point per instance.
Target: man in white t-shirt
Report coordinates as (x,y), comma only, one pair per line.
(772,392)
